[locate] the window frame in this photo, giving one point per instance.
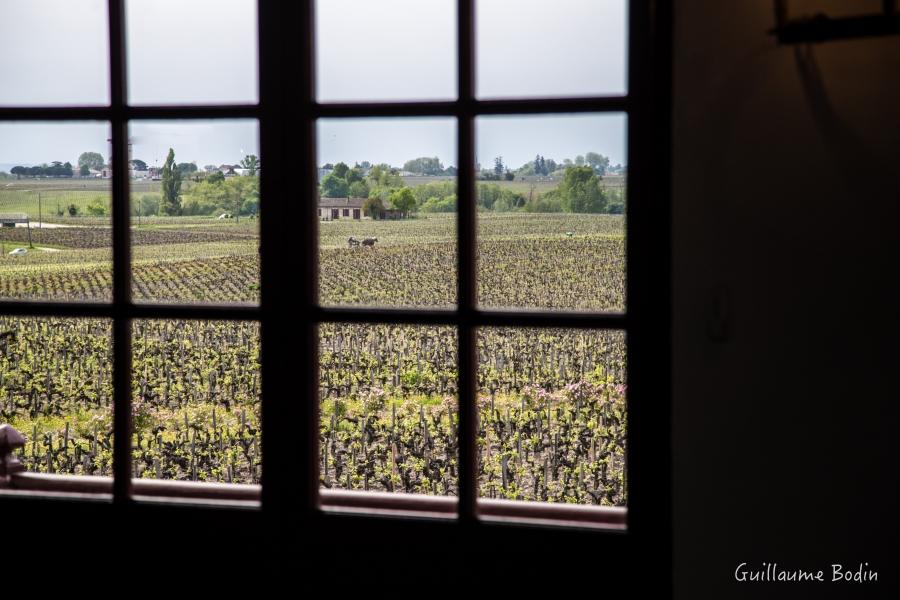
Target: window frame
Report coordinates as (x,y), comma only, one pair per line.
(287,112)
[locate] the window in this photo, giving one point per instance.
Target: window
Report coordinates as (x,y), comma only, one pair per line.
(286,311)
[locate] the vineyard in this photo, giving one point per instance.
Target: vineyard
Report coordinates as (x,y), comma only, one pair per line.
(551,403)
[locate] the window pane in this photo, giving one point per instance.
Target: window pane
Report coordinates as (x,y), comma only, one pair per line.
(55,196)
(552,419)
(568,48)
(55,53)
(387,212)
(195,401)
(56,390)
(551,204)
(389,412)
(385,50)
(195,233)
(197,52)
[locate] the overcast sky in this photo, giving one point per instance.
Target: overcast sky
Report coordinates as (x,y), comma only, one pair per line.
(203,51)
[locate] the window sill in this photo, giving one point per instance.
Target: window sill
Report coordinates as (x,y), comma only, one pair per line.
(332,501)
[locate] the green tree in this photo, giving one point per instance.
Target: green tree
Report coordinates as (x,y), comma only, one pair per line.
(580,191)
(403,200)
(91,160)
(216,177)
(340,170)
(97,207)
(424,165)
(334,186)
(359,189)
(251,163)
(373,206)
(171,186)
(185,168)
(598,162)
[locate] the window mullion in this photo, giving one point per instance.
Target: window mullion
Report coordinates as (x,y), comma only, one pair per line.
(468,472)
(121,258)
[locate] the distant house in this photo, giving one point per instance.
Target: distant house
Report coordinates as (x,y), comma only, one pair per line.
(229,170)
(332,209)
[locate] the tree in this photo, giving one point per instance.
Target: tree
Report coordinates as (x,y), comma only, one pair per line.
(91,160)
(359,189)
(580,191)
(18,171)
(216,177)
(597,162)
(138,164)
(424,165)
(373,206)
(251,163)
(334,186)
(171,186)
(579,161)
(340,170)
(403,200)
(187,167)
(354,175)
(148,205)
(97,207)
(499,166)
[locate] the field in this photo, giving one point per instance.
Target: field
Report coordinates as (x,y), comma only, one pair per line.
(551,402)
(524,185)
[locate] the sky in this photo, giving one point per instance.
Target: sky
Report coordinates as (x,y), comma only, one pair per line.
(385,50)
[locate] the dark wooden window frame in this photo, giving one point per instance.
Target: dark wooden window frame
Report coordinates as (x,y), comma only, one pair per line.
(287,113)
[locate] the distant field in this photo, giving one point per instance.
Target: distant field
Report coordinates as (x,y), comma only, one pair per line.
(523,185)
(90,185)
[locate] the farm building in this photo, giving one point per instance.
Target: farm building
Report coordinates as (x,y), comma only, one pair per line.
(331,209)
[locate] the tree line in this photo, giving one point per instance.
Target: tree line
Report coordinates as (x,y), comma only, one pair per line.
(54,169)
(579,191)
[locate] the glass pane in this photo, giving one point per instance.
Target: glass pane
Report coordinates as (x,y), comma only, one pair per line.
(387,212)
(385,50)
(551,203)
(56,52)
(56,390)
(569,48)
(195,401)
(388,408)
(197,52)
(195,222)
(55,196)
(552,418)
